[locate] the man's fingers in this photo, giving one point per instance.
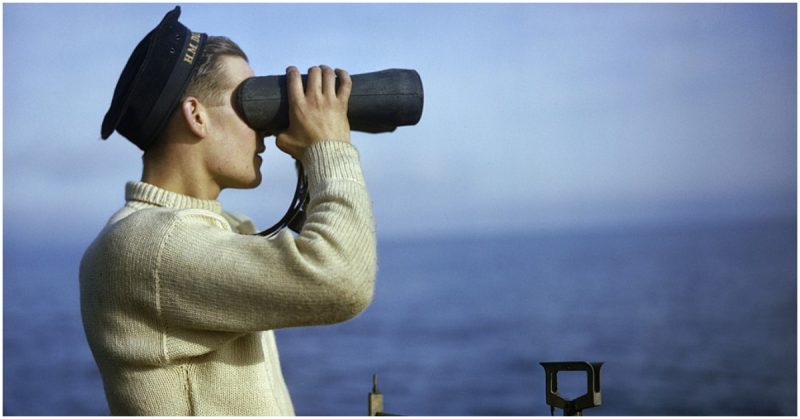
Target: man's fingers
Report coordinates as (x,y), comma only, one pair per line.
(345,85)
(318,111)
(328,81)
(314,81)
(294,84)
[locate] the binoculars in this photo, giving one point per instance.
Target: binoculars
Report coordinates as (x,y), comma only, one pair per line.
(379,102)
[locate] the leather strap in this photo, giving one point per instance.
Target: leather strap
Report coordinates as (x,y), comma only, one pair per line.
(295,216)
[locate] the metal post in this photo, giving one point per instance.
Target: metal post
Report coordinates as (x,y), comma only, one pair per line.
(375,398)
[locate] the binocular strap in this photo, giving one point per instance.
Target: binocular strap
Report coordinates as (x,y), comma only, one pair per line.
(295,216)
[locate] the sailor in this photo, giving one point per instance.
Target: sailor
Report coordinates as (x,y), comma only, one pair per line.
(179,300)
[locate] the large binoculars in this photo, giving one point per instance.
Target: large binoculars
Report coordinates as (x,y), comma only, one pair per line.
(379,101)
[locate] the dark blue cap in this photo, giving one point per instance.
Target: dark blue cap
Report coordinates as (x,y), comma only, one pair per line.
(153,81)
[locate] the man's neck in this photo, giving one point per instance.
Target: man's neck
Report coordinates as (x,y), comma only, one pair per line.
(179,175)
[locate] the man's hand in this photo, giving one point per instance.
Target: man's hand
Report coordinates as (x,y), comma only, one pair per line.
(319,113)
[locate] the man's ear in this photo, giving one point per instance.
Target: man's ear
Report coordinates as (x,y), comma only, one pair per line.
(195,116)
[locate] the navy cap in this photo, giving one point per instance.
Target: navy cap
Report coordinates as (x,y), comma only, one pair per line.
(153,81)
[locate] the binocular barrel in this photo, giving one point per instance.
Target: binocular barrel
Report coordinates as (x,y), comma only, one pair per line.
(379,102)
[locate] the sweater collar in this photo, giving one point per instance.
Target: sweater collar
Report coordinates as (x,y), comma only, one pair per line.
(151,194)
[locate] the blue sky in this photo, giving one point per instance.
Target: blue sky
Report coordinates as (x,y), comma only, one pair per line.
(536,116)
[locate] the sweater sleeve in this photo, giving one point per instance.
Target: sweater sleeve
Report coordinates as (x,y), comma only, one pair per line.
(209,278)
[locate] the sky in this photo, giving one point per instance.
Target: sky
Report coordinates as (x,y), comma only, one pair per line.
(536,116)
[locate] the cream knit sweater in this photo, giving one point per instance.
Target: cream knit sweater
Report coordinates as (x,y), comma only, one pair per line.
(178,305)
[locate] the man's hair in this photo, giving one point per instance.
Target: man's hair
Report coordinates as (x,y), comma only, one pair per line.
(209,80)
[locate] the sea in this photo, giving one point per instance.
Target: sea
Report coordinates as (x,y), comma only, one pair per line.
(688,320)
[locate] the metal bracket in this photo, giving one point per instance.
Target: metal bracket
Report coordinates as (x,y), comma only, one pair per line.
(575,407)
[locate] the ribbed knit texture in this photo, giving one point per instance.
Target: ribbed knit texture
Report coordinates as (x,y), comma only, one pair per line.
(179,301)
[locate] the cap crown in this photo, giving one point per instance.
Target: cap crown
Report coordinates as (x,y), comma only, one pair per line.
(153,81)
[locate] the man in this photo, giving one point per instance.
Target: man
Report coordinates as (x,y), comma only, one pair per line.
(178,298)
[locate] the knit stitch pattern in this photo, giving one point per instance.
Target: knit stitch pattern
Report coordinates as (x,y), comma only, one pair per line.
(179,301)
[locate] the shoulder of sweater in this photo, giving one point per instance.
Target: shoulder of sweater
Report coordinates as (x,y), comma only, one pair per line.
(157,218)
(139,236)
(136,239)
(148,226)
(239,222)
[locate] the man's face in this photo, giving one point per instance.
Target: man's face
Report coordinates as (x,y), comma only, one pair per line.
(234,161)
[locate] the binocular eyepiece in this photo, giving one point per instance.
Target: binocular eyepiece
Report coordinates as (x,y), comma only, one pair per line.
(379,102)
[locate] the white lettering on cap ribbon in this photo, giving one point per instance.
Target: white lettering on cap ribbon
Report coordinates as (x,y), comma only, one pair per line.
(191,50)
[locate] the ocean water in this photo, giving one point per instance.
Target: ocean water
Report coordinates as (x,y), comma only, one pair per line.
(692,320)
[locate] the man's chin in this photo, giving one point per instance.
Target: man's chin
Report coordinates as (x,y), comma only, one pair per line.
(246,184)
(254,183)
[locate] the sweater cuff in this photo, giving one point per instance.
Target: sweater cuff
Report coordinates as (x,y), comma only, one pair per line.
(326,160)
